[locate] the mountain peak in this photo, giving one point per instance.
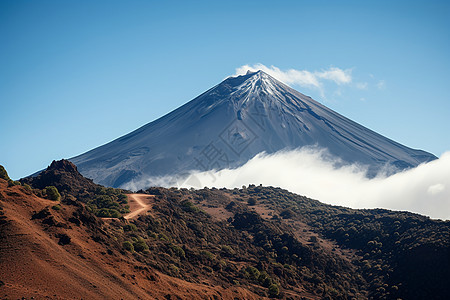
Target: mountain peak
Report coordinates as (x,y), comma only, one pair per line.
(235,120)
(62,174)
(250,72)
(248,75)
(257,85)
(244,86)
(63,164)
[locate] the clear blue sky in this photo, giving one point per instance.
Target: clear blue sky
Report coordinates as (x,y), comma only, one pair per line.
(77,74)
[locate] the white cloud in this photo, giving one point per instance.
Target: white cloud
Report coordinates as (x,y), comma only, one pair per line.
(381,85)
(335,74)
(362,85)
(303,78)
(311,172)
(436,189)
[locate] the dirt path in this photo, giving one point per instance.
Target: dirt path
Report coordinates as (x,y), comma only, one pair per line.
(139,204)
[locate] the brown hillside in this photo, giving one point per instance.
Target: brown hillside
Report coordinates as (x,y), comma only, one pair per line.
(64,176)
(43,254)
(247,243)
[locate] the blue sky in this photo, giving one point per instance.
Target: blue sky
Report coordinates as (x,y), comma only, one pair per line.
(77,74)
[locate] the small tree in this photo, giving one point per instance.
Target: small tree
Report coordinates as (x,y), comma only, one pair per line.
(52,193)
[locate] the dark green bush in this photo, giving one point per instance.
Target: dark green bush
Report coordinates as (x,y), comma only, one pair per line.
(274,290)
(13,182)
(109,203)
(103,213)
(4,174)
(56,207)
(107,213)
(227,250)
(114,213)
(207,254)
(128,246)
(178,251)
(122,198)
(27,187)
(140,245)
(189,207)
(174,270)
(52,193)
(264,279)
(129,227)
(253,273)
(287,214)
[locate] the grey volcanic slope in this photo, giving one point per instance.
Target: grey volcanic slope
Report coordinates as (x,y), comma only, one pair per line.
(231,123)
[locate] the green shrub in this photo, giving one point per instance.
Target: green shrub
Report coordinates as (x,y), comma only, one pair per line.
(128,246)
(123,199)
(52,193)
(251,201)
(178,251)
(287,214)
(264,279)
(109,203)
(189,206)
(13,183)
(125,209)
(56,207)
(103,213)
(114,213)
(253,273)
(107,213)
(274,290)
(4,174)
(174,269)
(129,227)
(140,245)
(163,237)
(227,250)
(207,254)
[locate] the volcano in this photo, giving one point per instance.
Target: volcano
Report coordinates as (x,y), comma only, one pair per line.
(232,122)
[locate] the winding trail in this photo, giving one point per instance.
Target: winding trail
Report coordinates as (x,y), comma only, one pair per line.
(139,204)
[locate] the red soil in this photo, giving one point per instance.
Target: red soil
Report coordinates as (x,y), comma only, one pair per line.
(33,264)
(139,204)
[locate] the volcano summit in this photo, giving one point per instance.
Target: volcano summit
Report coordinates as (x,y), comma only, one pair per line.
(231,123)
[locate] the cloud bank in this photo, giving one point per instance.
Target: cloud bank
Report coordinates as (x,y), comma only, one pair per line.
(302,78)
(311,172)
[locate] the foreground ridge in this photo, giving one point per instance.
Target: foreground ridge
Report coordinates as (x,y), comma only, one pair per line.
(246,243)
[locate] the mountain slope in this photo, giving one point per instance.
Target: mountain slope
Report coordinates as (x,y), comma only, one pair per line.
(246,243)
(231,123)
(68,253)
